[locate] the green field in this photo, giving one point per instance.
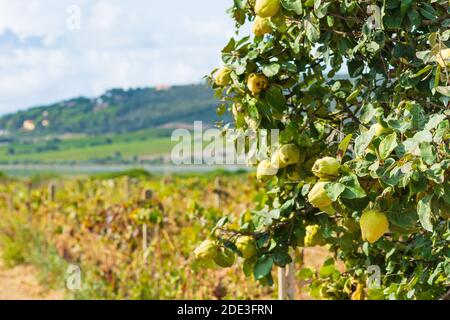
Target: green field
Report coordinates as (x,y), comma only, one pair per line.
(112,148)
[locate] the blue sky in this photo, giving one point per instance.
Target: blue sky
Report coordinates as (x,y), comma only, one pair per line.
(120,43)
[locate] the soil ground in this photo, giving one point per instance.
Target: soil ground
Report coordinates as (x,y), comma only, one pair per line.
(21,283)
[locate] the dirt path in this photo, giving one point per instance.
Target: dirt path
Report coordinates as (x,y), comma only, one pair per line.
(20,283)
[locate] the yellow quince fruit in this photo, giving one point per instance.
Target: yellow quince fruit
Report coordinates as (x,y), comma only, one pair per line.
(257,83)
(318,197)
(267,8)
(326,168)
(207,250)
(265,171)
(225,258)
(246,246)
(223,77)
(261,26)
(374,224)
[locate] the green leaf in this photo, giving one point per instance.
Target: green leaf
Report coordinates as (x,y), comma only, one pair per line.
(263,266)
(334,190)
(280,257)
(434,121)
(312,28)
(306,273)
(418,115)
(253,111)
(240,4)
(422,71)
(248,267)
(286,208)
(427,153)
(367,113)
(387,145)
(343,146)
(406,221)
(328,271)
(414,17)
(424,212)
(363,141)
(412,144)
(275,98)
(271,70)
(436,173)
(372,47)
(404,7)
(437,79)
(222,222)
(355,67)
(443,90)
(293,5)
(428,12)
(375,294)
(230,46)
(356,204)
(446,195)
(353,95)
(353,189)
(423,136)
(321,8)
(365,248)
(418,184)
(393,21)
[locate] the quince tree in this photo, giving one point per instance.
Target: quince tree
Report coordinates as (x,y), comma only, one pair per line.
(360,92)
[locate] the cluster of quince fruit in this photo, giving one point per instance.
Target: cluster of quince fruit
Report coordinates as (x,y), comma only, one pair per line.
(265,10)
(287,155)
(326,169)
(256,82)
(211,251)
(373,223)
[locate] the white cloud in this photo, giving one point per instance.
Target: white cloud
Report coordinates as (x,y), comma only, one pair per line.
(120,44)
(105,15)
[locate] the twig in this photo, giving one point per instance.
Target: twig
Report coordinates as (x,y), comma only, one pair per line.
(351,114)
(336,15)
(430,22)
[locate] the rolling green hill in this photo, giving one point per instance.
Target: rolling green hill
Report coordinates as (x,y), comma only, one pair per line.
(121,126)
(118,111)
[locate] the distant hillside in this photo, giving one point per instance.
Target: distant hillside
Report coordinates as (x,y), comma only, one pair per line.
(117,111)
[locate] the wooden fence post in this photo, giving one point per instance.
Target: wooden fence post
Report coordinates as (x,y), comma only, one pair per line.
(217,191)
(28,201)
(52,199)
(52,192)
(282,283)
(10,203)
(127,189)
(291,285)
(147,195)
(286,281)
(144,242)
